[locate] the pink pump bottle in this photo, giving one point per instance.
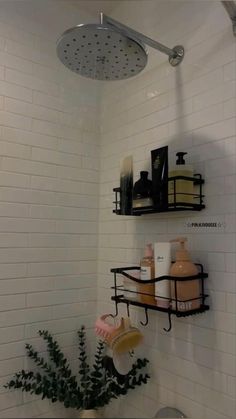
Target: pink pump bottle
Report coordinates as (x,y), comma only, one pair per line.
(147,291)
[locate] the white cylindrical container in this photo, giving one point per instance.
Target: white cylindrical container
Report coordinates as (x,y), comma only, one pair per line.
(162,259)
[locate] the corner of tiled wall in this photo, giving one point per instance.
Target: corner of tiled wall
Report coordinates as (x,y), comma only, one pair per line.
(49,165)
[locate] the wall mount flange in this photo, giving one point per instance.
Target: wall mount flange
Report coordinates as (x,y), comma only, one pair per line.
(178,57)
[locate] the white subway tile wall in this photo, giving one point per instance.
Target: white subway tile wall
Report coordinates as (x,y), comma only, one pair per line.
(49,162)
(49,199)
(190,108)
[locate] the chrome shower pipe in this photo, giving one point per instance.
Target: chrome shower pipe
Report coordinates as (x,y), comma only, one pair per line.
(175,54)
(230,7)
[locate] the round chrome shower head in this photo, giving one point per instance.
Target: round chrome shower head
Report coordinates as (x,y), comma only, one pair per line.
(99,52)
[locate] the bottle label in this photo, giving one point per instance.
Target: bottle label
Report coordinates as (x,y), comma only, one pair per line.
(184,306)
(145,273)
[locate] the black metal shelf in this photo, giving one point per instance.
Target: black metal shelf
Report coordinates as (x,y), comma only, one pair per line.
(119,297)
(173,206)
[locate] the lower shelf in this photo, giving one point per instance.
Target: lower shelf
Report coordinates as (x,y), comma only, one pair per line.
(130,297)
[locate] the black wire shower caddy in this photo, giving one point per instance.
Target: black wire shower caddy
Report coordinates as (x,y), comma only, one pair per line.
(119,297)
(197,205)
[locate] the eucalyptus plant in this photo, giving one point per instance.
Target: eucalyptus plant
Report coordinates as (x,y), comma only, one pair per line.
(94,387)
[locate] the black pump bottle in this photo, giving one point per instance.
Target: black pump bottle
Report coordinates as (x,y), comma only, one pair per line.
(142,192)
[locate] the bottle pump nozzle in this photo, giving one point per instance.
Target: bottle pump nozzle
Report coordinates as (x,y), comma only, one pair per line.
(148,250)
(180,157)
(182,253)
(180,240)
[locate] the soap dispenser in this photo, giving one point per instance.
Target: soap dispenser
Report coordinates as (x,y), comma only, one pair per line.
(181,190)
(186,292)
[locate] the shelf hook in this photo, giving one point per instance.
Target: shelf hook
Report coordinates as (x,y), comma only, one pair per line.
(146,314)
(116,313)
(170,323)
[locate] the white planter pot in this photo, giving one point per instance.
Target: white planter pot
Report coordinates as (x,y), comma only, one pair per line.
(90,413)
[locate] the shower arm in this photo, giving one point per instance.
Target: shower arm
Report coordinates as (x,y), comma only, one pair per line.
(230,7)
(175,54)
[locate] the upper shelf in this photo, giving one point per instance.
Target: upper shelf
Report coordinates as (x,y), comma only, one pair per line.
(198,204)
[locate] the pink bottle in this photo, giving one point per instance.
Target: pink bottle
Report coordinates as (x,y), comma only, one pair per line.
(186,290)
(147,291)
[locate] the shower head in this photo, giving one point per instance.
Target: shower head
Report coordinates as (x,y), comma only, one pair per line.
(99,52)
(109,50)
